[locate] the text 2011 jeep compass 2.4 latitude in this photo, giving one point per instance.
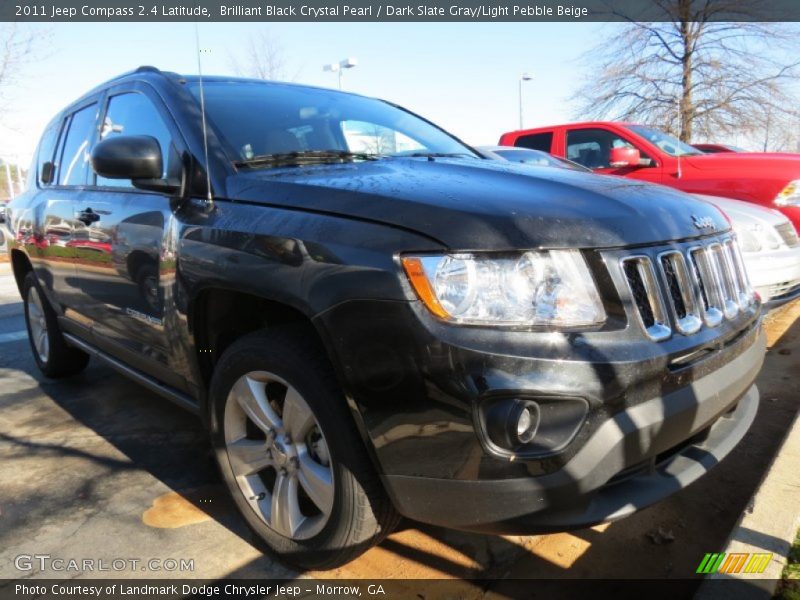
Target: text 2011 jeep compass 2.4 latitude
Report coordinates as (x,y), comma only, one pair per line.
(373,320)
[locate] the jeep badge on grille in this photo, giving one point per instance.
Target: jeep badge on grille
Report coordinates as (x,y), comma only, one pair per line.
(703,222)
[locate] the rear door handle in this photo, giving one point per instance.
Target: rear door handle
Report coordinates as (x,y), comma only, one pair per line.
(88,216)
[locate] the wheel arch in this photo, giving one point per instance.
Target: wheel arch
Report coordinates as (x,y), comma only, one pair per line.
(21,265)
(219,315)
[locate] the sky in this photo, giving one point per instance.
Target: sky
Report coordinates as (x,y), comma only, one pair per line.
(462,76)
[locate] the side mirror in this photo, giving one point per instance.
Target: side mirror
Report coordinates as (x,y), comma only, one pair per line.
(134,157)
(624,157)
(128,157)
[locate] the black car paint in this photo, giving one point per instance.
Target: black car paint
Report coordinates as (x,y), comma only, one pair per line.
(325,241)
(478,204)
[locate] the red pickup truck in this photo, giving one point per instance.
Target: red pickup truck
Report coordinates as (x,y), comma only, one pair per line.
(640,152)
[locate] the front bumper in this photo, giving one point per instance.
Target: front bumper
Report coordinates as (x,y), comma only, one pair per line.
(432,402)
(774,275)
(638,457)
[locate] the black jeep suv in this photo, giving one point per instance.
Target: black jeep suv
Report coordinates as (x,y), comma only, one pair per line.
(373,320)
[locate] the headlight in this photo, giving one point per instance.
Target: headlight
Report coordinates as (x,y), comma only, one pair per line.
(790,195)
(551,287)
(755,237)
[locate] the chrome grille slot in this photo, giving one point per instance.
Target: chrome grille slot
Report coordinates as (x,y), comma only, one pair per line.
(736,265)
(682,292)
(726,277)
(646,295)
(708,282)
(686,287)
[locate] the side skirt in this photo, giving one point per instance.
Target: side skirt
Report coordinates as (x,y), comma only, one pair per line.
(179,398)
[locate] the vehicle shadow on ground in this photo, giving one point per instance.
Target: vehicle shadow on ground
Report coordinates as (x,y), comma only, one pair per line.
(664,541)
(146,433)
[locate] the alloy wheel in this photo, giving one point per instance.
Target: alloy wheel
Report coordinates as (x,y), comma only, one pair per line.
(278,455)
(38,325)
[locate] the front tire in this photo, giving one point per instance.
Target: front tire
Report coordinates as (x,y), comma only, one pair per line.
(50,351)
(290,453)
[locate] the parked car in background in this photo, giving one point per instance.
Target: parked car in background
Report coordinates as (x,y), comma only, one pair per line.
(529,157)
(717,148)
(768,240)
(770,248)
(645,153)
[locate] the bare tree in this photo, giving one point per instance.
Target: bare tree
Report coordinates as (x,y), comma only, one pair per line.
(263,57)
(691,74)
(16,50)
(777,131)
(378,140)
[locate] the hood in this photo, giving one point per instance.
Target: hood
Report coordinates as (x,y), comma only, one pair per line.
(738,161)
(474,204)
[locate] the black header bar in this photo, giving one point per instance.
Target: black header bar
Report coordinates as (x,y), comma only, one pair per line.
(392,10)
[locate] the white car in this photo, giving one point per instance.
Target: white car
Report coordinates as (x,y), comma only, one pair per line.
(770,248)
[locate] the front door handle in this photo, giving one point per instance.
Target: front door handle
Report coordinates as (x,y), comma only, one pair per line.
(88,216)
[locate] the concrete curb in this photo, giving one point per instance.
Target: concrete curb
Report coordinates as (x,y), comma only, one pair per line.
(769,524)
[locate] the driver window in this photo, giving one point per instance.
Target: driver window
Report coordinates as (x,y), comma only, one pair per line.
(591,147)
(134,114)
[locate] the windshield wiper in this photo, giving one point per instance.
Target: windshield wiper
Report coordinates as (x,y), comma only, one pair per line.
(306,157)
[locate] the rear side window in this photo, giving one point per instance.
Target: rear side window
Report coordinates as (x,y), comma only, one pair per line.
(74,164)
(47,150)
(536,141)
(134,114)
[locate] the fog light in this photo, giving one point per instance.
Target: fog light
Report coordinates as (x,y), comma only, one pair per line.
(512,422)
(531,427)
(527,423)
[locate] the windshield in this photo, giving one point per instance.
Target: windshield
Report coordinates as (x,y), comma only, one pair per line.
(257,119)
(668,144)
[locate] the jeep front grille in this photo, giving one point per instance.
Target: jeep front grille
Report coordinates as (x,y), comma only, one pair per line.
(685,288)
(788,234)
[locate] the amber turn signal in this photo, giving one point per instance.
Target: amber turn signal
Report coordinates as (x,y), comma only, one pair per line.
(419,280)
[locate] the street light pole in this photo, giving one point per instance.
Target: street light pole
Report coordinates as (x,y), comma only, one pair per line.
(524,77)
(338,68)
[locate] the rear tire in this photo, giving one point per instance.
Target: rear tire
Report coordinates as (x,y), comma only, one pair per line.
(53,356)
(290,453)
